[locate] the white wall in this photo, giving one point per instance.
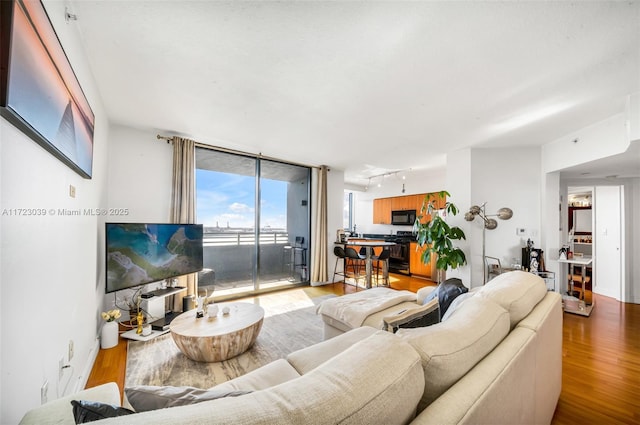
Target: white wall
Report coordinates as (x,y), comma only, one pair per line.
(50,266)
(510,178)
(458,183)
(140,175)
(602,139)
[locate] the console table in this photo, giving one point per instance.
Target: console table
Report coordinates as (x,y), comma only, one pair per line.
(154,306)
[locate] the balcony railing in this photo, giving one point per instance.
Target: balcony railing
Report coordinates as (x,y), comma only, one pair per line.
(244,238)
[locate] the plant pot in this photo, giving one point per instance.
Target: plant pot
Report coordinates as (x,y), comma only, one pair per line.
(109,335)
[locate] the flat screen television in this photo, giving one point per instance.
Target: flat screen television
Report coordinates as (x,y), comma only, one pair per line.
(141,253)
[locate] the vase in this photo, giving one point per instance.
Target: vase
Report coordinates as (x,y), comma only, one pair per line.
(109,335)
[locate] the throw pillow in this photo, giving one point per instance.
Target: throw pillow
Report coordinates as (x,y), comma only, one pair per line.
(419,317)
(147,397)
(88,411)
(446,292)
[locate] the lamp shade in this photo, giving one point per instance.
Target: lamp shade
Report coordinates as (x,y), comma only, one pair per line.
(505,213)
(469,216)
(475,210)
(490,223)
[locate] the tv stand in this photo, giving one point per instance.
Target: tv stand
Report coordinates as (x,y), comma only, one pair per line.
(154,307)
(163,323)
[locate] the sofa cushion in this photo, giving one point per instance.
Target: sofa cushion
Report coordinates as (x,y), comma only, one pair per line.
(417,317)
(267,376)
(148,397)
(450,349)
(456,303)
(59,411)
(309,358)
(517,292)
(350,389)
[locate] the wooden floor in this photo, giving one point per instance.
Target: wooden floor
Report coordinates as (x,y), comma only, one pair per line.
(601,365)
(601,359)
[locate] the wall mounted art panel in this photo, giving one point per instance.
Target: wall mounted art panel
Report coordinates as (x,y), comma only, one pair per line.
(39,92)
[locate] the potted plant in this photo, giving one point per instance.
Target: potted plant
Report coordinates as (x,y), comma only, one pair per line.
(436,237)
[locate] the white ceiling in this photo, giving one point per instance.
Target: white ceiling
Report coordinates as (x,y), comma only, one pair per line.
(367,87)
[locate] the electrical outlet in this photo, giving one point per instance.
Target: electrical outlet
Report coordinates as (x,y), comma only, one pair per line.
(70,349)
(521,232)
(44,389)
(60,367)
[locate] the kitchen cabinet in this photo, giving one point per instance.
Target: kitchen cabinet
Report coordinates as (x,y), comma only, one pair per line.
(416,266)
(382,207)
(382,211)
(402,203)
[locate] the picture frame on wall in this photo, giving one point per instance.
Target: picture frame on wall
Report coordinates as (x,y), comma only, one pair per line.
(39,92)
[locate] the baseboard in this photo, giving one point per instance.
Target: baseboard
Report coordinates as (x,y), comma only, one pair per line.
(632,300)
(81,382)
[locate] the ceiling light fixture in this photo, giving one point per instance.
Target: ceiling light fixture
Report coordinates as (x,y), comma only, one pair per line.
(401,174)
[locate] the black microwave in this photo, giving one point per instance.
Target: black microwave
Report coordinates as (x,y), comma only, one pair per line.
(403,217)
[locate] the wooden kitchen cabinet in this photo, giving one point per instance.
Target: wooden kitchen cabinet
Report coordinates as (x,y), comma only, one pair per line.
(416,266)
(382,207)
(401,203)
(382,211)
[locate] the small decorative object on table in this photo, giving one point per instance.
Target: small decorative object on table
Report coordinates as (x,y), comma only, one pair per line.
(212,310)
(225,310)
(109,333)
(200,307)
(146,329)
(139,321)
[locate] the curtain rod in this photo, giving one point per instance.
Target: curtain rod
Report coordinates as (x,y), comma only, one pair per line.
(237,152)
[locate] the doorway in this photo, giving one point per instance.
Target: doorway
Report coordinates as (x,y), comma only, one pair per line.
(256,218)
(595,224)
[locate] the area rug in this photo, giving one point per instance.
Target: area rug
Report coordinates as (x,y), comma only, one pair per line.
(286,328)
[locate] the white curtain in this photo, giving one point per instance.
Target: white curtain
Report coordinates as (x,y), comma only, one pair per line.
(183,200)
(319,272)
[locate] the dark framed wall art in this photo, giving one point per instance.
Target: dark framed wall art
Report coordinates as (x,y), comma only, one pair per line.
(39,92)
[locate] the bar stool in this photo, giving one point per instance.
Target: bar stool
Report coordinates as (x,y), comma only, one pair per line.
(338,251)
(353,259)
(384,258)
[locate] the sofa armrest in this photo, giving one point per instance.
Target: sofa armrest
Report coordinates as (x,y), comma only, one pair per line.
(60,411)
(424,293)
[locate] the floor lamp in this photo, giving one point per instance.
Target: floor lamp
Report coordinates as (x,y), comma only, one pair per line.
(489,223)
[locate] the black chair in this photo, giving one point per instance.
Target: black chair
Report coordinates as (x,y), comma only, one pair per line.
(338,251)
(384,259)
(355,261)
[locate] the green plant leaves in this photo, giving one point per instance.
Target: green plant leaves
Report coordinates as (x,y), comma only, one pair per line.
(436,237)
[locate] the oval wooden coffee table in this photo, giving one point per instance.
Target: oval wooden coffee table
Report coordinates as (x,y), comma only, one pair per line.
(214,339)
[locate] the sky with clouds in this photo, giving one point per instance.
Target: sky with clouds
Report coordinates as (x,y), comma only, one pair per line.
(230,198)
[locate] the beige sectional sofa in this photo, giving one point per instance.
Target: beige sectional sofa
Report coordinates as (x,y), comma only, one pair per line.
(496,359)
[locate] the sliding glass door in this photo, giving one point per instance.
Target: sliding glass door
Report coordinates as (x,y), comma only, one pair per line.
(255,214)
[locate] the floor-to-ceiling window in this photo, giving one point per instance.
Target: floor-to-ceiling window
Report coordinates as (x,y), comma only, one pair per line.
(256,217)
